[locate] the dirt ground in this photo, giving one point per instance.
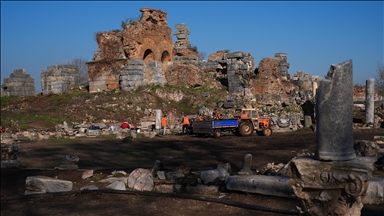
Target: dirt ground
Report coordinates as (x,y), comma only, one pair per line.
(105,155)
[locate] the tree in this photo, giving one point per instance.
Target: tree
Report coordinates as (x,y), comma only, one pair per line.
(202,55)
(83,70)
(379,81)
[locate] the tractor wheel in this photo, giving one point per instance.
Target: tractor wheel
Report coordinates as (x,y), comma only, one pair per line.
(217,133)
(246,128)
(267,132)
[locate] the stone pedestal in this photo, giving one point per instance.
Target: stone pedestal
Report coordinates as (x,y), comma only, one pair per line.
(330,188)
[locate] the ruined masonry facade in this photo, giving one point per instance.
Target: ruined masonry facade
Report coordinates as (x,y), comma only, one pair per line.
(139,55)
(19,83)
(59,78)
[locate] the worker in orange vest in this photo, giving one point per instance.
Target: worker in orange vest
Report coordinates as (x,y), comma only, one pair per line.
(164,124)
(244,115)
(185,124)
(216,114)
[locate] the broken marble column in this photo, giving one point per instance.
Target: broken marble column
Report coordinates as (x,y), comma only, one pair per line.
(369,101)
(335,181)
(334,111)
(247,163)
(158,119)
(314,89)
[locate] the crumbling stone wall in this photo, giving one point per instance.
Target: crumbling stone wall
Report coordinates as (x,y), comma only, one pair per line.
(59,78)
(268,85)
(148,39)
(132,75)
(281,58)
(182,32)
(238,65)
(182,48)
(19,83)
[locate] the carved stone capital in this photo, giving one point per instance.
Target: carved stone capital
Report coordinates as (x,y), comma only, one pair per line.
(330,188)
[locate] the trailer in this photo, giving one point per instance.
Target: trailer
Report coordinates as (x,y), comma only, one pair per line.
(214,127)
(239,125)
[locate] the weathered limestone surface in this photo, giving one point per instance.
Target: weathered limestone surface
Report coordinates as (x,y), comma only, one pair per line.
(182,49)
(338,185)
(281,58)
(132,76)
(141,180)
(59,78)
(261,184)
(185,75)
(18,84)
(238,65)
(148,39)
(47,184)
(182,32)
(334,111)
(370,101)
(269,84)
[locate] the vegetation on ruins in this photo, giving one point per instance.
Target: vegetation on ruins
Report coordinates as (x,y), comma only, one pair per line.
(83,70)
(77,105)
(127,21)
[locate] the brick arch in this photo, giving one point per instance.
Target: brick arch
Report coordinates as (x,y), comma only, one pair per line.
(166,57)
(148,55)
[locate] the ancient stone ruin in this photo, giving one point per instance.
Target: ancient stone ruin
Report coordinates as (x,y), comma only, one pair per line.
(19,83)
(57,79)
(182,48)
(335,180)
(146,42)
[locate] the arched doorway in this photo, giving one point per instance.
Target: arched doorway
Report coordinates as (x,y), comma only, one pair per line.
(148,55)
(165,60)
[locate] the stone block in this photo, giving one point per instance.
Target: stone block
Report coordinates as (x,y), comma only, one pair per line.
(375,192)
(261,184)
(47,184)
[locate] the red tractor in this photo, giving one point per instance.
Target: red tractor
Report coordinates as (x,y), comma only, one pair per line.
(250,121)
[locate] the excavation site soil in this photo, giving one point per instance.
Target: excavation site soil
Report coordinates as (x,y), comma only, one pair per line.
(105,155)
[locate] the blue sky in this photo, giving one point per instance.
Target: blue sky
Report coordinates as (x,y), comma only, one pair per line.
(38,34)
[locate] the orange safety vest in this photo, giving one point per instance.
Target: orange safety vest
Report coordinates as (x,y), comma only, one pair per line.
(185,121)
(217,115)
(244,115)
(200,118)
(163,122)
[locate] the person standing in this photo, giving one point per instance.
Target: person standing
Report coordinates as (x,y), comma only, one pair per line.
(164,124)
(185,124)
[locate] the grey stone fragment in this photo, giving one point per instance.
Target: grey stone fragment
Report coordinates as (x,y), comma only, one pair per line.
(247,163)
(117,185)
(87,174)
(307,121)
(334,114)
(161,175)
(89,187)
(47,184)
(215,175)
(375,192)
(141,180)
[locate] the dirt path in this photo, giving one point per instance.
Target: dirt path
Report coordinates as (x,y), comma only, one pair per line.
(105,155)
